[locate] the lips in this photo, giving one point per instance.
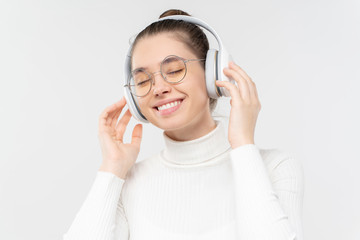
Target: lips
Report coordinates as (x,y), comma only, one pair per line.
(167,103)
(168,107)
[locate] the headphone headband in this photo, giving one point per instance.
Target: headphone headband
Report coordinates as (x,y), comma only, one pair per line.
(197,22)
(190,20)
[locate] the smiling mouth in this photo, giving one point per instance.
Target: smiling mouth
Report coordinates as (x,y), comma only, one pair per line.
(168,105)
(168,108)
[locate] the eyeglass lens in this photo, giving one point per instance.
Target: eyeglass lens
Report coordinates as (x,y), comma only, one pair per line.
(173,69)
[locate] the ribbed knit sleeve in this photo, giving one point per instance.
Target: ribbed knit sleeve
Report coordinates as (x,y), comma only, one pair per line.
(268,196)
(101,216)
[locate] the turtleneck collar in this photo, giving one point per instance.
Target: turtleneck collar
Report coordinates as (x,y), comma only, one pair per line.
(198,152)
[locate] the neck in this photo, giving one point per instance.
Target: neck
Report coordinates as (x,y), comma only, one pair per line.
(193,130)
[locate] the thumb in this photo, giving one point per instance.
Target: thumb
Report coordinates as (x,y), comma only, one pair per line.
(137,135)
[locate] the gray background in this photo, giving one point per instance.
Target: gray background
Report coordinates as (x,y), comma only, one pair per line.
(61,64)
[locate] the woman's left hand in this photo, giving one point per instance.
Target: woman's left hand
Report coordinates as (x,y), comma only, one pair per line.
(245,106)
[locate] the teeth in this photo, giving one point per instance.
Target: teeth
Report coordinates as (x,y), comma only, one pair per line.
(168,105)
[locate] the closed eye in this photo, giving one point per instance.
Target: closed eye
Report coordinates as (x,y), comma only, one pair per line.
(143,82)
(174,72)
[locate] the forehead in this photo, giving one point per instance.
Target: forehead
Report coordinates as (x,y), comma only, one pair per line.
(150,51)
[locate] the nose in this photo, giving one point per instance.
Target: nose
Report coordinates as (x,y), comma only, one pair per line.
(160,86)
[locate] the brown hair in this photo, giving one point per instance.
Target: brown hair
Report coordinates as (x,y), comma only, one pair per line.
(188,33)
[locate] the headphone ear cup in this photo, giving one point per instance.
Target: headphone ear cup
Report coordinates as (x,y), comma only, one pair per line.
(211,73)
(130,99)
(223,59)
(133,106)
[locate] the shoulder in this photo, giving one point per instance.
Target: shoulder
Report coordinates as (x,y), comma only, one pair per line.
(276,159)
(283,167)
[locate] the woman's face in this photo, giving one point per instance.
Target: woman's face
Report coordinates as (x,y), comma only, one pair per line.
(192,114)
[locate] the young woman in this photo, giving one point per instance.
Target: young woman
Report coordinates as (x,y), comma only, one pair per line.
(204,184)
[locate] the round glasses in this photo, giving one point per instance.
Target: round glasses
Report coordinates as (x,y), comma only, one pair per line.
(172,68)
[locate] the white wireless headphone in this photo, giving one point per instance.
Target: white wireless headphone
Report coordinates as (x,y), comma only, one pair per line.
(216,61)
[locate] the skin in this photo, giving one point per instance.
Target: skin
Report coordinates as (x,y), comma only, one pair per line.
(192,120)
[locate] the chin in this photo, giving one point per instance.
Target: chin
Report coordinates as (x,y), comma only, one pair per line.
(169,124)
(181,118)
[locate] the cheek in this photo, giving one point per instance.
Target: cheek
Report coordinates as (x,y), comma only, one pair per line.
(143,104)
(200,86)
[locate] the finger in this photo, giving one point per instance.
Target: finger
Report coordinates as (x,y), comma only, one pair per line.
(234,66)
(122,124)
(116,117)
(105,114)
(119,105)
(256,93)
(137,135)
(251,84)
(234,91)
(243,86)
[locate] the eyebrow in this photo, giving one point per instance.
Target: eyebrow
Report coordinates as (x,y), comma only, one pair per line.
(168,60)
(138,69)
(141,68)
(171,59)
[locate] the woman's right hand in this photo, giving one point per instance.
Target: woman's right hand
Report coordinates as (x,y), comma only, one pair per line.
(118,157)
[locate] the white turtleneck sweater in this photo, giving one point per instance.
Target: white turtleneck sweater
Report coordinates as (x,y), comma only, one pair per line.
(199,189)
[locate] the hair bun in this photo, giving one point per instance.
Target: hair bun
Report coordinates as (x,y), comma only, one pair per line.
(171,12)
